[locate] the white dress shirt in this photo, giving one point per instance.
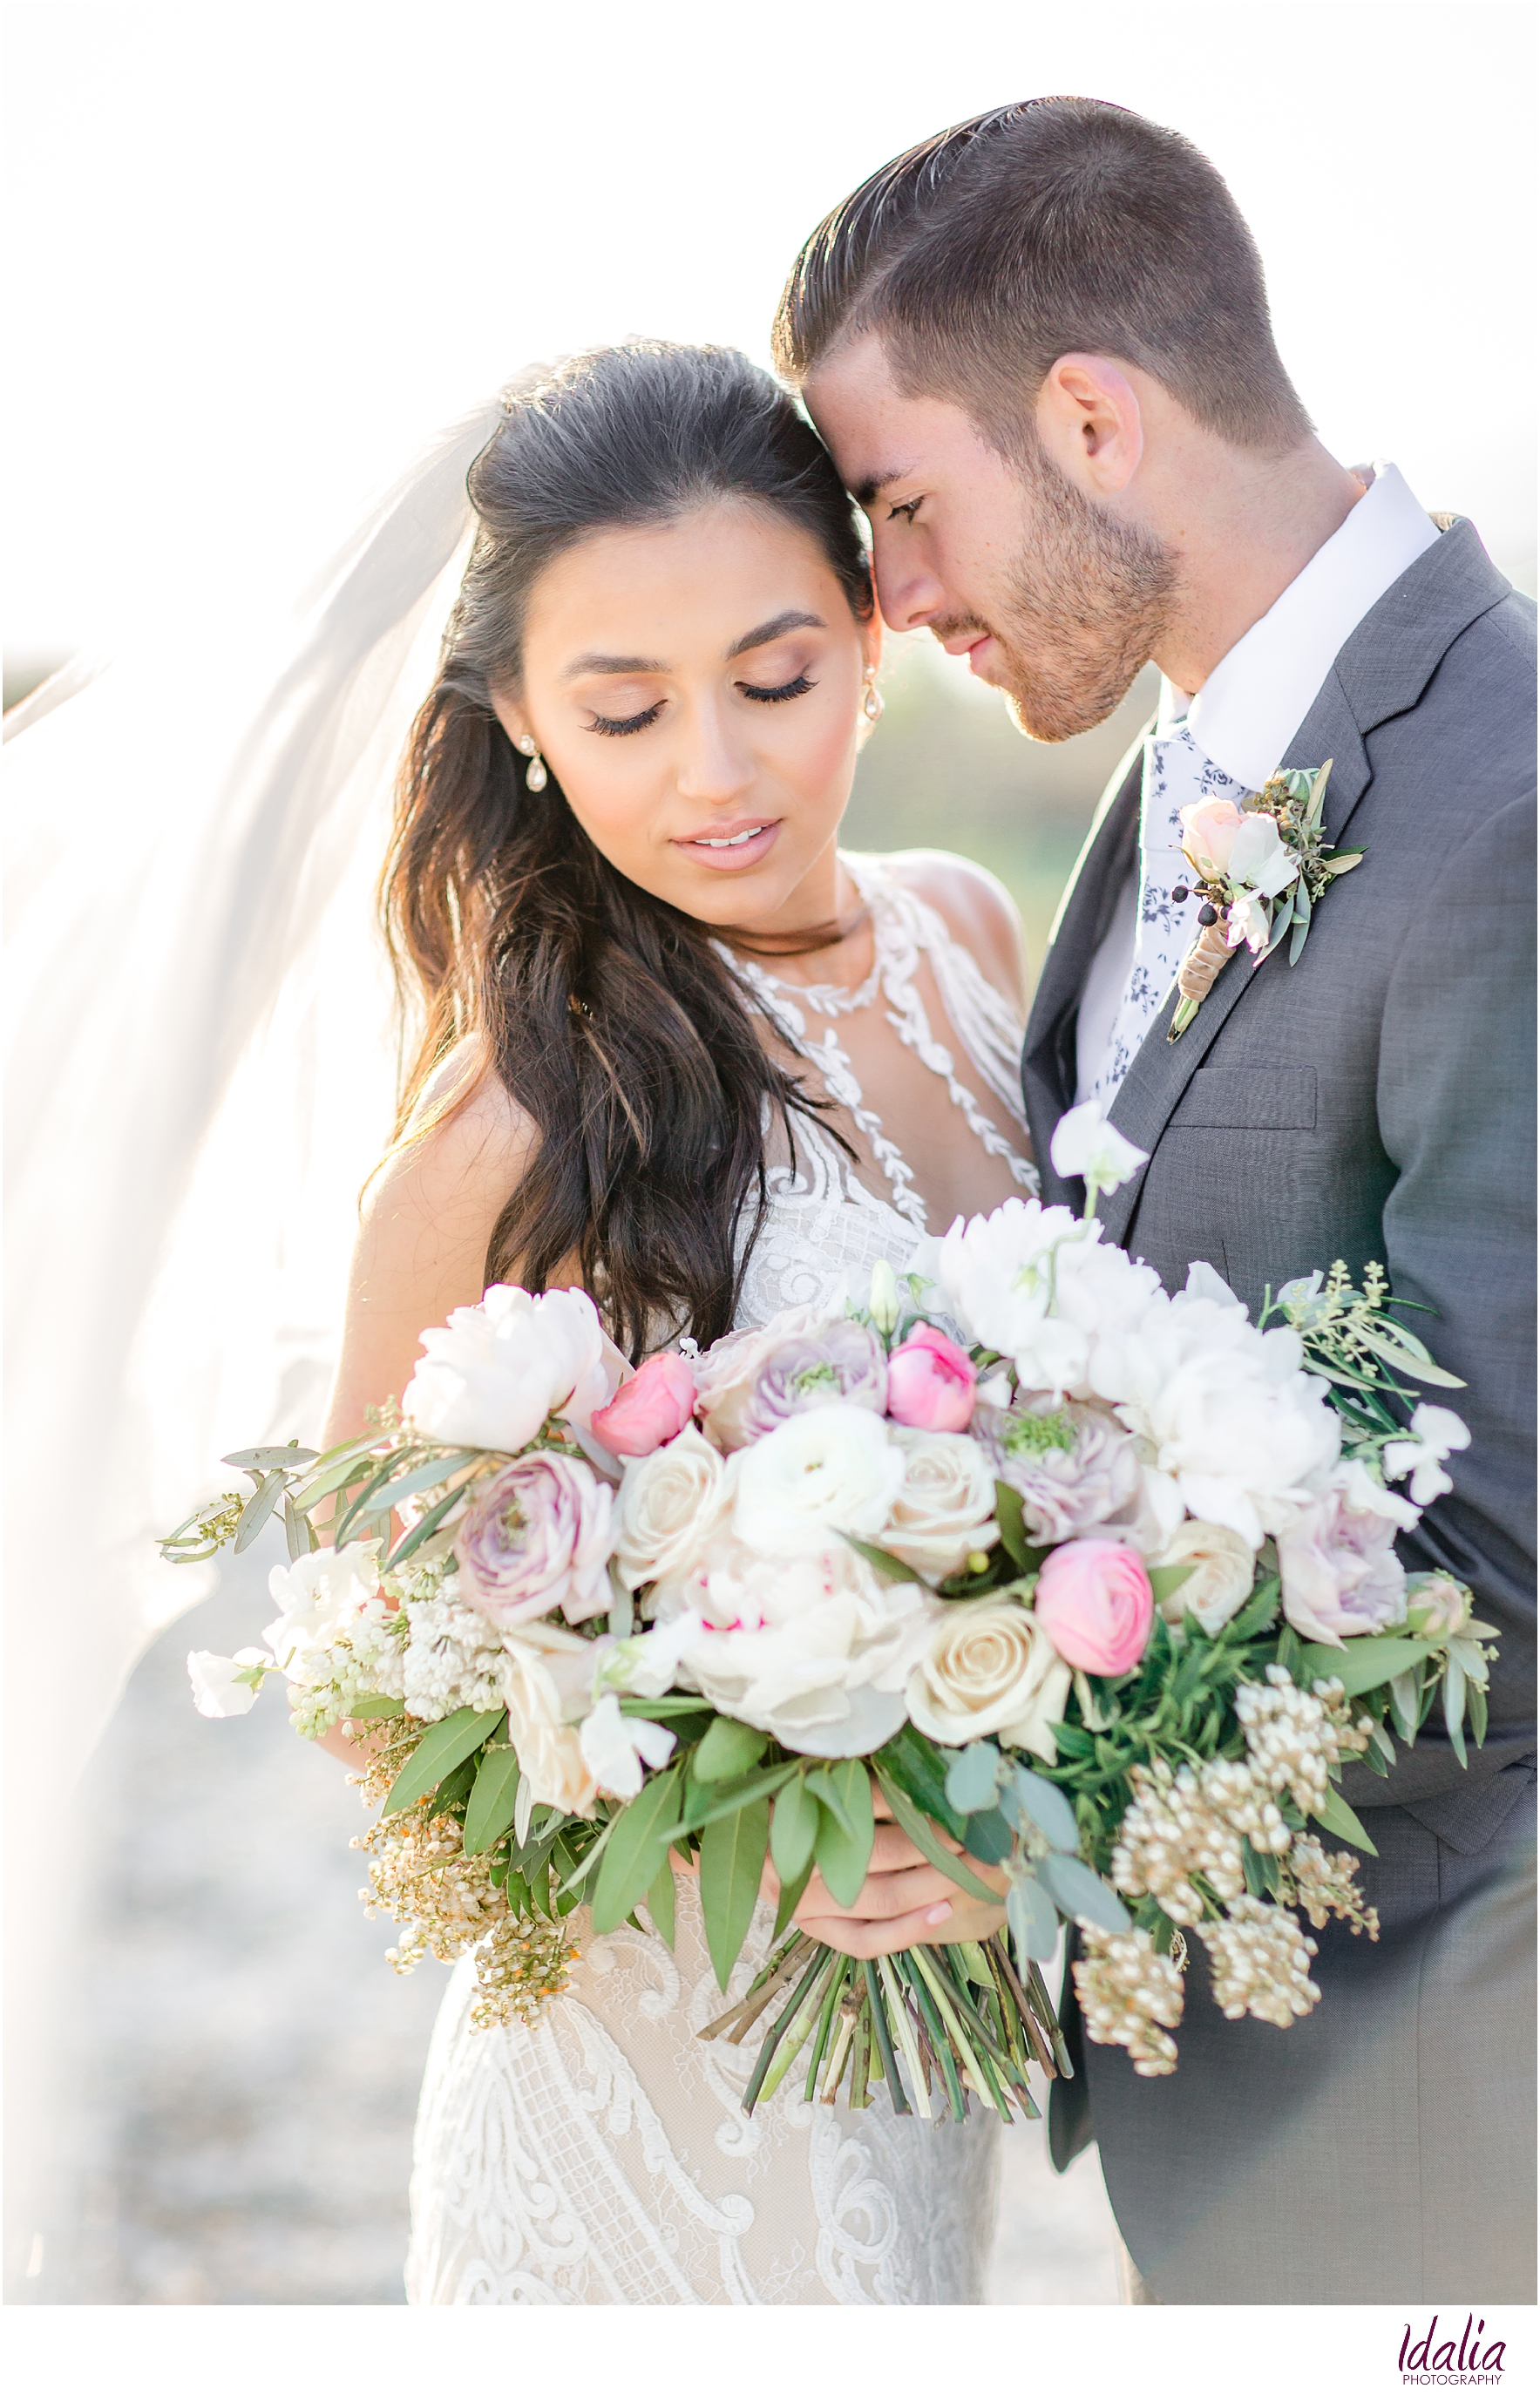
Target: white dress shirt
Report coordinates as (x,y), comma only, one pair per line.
(1254,701)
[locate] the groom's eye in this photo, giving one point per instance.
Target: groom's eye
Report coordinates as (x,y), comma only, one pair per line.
(905,507)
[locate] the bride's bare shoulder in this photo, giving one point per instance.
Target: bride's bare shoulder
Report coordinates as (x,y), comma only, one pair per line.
(975,906)
(462,1150)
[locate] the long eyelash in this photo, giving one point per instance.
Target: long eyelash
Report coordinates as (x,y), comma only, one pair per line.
(904,507)
(786,689)
(616,727)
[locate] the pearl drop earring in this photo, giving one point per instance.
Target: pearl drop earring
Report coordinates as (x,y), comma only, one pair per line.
(535,776)
(871,701)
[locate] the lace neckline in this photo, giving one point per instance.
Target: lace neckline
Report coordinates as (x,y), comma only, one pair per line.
(904,928)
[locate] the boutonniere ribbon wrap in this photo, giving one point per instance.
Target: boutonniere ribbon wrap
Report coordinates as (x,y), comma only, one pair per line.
(1261,872)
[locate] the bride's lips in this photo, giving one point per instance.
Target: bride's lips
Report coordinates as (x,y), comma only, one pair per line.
(728,848)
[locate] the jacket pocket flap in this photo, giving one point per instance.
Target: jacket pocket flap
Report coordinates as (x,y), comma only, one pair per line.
(1248,1097)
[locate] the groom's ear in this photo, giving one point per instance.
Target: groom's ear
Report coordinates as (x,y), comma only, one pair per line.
(1090,421)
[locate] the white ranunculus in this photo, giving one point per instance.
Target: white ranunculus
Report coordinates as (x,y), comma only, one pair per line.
(1086,1147)
(224,1686)
(944,1511)
(830,1471)
(1040,1285)
(1435,1433)
(669,1504)
(615,1747)
(1221,1571)
(1230,1416)
(813,1648)
(494,1372)
(318,1596)
(987,1670)
(546,1683)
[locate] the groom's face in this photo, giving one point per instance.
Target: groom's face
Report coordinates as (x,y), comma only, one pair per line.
(1050,599)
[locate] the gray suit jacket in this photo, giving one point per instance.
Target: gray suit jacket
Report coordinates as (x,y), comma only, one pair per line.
(1378,1098)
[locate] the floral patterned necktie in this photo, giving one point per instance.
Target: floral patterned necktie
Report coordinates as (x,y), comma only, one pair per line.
(1176,774)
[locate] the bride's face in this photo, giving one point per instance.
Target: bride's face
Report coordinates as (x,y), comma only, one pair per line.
(695,687)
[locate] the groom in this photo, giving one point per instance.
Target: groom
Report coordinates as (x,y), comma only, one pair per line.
(1038,347)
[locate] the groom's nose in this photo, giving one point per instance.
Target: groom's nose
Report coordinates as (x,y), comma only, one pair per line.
(910,592)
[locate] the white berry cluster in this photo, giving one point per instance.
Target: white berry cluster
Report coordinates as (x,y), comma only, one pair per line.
(1169,1834)
(519,1967)
(453,1658)
(1294,1735)
(1130,1996)
(420,1875)
(1323,1886)
(1260,1960)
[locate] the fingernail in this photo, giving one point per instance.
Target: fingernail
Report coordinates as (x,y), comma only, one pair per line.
(938,1913)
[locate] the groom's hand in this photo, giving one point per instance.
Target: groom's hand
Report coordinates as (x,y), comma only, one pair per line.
(905,1901)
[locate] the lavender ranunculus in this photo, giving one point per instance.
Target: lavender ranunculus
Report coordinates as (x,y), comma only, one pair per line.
(536,1536)
(1071,1466)
(839,1363)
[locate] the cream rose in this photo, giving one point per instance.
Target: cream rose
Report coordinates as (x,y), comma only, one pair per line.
(1222,1570)
(990,1672)
(944,1511)
(546,1683)
(669,1504)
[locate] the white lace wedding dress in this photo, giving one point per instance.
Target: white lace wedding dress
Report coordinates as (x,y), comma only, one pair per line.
(602,2157)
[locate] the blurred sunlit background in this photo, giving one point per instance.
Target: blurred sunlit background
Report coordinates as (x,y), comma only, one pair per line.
(255,257)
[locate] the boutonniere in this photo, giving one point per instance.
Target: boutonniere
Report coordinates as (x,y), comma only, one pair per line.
(1261,872)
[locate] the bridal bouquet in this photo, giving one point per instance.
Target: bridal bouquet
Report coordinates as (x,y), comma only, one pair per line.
(1083,1584)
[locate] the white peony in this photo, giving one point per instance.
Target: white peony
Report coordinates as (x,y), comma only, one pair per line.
(835,1469)
(987,1670)
(547,1683)
(495,1371)
(1038,1284)
(669,1504)
(318,1596)
(1243,1434)
(615,1747)
(945,1510)
(815,1648)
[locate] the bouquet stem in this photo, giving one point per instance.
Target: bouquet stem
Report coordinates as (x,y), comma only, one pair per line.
(948,2019)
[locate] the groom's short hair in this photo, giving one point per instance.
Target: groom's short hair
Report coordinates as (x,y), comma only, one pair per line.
(1051,226)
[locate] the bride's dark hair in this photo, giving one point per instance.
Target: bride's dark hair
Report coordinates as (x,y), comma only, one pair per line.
(608,1016)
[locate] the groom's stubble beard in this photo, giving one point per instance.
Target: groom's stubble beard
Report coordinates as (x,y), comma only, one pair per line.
(1084,604)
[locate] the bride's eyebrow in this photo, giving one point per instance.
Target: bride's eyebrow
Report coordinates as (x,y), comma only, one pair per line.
(593,663)
(794,620)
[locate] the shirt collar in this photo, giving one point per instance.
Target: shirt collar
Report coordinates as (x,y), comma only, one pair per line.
(1259,693)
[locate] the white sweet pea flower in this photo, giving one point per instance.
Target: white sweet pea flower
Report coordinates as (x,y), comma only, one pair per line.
(318,1596)
(491,1375)
(1258,859)
(1086,1147)
(1246,919)
(1203,1281)
(1435,1434)
(647,1664)
(615,1747)
(224,1686)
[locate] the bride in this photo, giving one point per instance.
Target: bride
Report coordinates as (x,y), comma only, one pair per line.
(682,1051)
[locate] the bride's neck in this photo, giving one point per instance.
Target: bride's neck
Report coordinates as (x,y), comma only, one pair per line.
(822,934)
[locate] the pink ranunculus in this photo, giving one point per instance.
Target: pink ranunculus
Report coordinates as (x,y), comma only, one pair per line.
(1094,1599)
(536,1536)
(650,1408)
(1208,832)
(931,1382)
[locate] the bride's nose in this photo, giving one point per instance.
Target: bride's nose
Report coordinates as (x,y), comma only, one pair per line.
(713,763)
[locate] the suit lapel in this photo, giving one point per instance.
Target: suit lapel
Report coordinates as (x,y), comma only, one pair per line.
(1383,670)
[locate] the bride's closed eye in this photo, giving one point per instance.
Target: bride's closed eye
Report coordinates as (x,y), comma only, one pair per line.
(615,727)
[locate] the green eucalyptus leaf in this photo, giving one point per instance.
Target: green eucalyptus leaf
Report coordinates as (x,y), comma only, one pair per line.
(1032,1920)
(490,1811)
(439,1751)
(793,1828)
(972,1778)
(1080,1895)
(1048,1808)
(636,1851)
(728,1749)
(257,1509)
(988,1836)
(1362,1662)
(732,1860)
(1336,1814)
